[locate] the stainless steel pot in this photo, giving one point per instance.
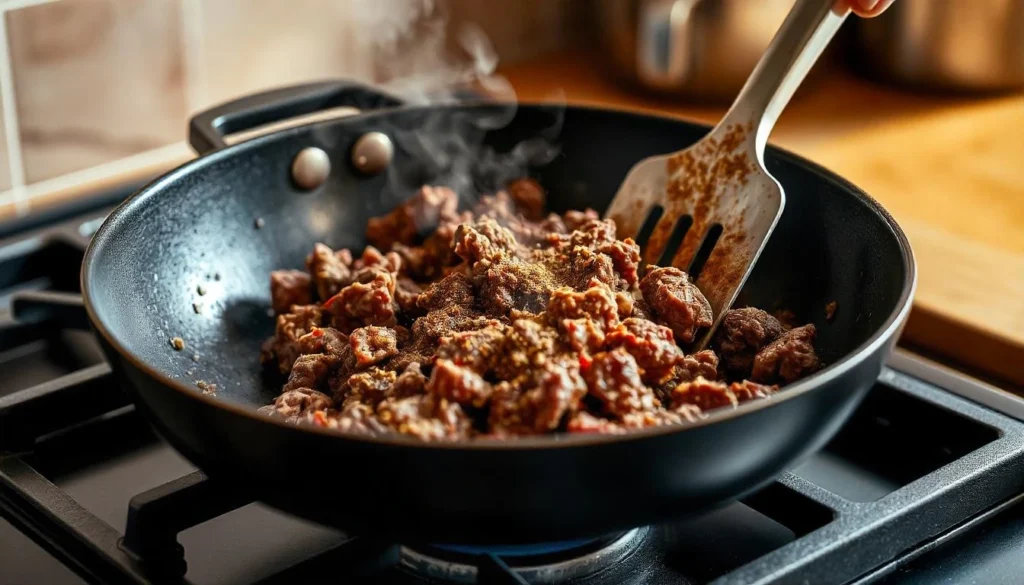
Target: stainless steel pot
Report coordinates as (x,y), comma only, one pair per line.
(947,44)
(693,48)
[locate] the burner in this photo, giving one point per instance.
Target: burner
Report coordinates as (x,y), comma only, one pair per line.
(556,562)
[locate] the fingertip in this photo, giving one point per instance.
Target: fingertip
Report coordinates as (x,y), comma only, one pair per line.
(869,8)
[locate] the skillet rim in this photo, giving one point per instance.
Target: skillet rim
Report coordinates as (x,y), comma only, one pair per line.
(882,335)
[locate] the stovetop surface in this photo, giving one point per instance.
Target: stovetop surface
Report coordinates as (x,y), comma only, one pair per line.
(921,486)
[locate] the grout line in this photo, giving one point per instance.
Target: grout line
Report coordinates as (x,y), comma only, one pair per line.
(172,153)
(193,53)
(9,105)
(10,110)
(16,4)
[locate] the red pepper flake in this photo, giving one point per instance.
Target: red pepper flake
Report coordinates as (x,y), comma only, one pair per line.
(327,304)
(320,418)
(317,332)
(585,362)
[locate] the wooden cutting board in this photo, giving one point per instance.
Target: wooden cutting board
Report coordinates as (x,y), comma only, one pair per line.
(950,169)
(954,179)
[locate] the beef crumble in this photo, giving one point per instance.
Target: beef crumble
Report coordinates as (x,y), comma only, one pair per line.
(741,334)
(501,321)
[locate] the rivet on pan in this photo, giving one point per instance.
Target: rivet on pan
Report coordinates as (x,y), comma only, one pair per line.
(372,153)
(311,168)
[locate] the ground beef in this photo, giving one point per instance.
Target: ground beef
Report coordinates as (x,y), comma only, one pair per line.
(596,304)
(528,197)
(297,402)
(310,371)
(788,358)
(499,321)
(651,345)
(478,350)
(584,317)
(407,293)
(425,416)
(373,258)
(703,363)
(613,378)
(703,393)
(584,422)
(369,387)
(528,346)
(283,348)
(329,270)
(289,287)
(354,418)
(574,219)
(428,262)
(625,255)
(676,301)
(372,344)
(484,241)
(368,301)
(458,383)
(748,390)
(414,219)
(537,401)
(410,382)
(741,334)
(324,340)
(452,290)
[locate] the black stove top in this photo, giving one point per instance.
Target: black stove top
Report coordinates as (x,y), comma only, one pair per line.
(924,482)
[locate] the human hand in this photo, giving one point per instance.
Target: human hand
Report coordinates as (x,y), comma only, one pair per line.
(869,8)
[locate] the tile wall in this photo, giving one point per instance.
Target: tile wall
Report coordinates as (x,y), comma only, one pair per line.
(92,89)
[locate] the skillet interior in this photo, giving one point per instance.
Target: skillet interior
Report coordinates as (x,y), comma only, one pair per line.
(828,245)
(196,229)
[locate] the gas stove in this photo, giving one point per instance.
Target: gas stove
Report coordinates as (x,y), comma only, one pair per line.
(928,473)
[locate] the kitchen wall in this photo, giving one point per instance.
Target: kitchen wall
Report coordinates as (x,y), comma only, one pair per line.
(95,89)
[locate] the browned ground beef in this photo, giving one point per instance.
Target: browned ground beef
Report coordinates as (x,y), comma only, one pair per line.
(499,322)
(741,334)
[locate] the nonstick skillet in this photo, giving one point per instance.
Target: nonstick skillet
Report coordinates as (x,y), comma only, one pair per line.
(191,237)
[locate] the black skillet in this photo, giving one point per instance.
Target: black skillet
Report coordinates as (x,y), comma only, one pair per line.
(194,229)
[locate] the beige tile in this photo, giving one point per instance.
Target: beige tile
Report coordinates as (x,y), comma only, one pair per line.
(521,29)
(5,170)
(96,81)
(248,45)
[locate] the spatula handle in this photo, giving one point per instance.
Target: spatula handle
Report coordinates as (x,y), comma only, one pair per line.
(803,36)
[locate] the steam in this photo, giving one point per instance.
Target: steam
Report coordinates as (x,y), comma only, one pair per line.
(421,59)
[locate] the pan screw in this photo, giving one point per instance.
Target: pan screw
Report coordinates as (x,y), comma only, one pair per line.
(372,153)
(311,168)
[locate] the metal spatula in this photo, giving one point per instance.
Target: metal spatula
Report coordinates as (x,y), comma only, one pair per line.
(709,209)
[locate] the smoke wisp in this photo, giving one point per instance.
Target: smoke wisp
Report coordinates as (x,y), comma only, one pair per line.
(422,57)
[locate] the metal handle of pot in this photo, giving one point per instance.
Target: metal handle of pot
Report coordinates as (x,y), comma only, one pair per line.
(664,54)
(803,36)
(207,129)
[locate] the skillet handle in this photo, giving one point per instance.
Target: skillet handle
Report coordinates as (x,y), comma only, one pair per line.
(206,130)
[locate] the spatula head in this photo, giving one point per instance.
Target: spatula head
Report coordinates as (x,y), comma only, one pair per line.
(707,210)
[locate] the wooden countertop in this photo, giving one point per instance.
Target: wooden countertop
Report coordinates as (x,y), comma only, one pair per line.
(950,169)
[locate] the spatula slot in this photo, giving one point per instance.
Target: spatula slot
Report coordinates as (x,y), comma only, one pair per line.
(648,226)
(675,240)
(704,251)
